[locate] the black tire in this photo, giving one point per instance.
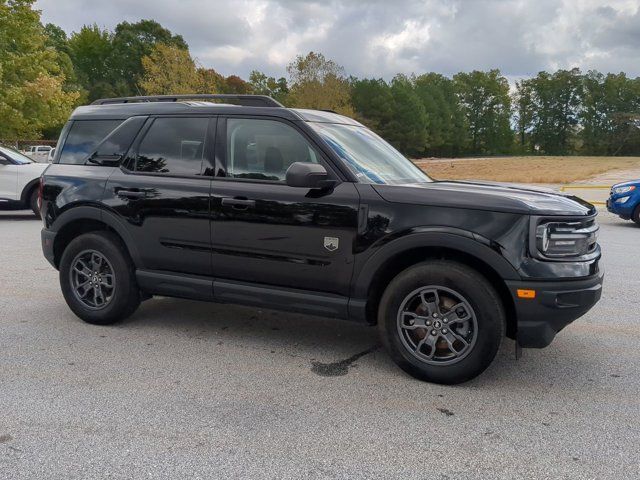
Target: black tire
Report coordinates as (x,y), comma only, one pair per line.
(456,281)
(33,202)
(636,215)
(121,300)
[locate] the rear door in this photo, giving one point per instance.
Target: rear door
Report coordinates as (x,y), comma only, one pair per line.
(266,232)
(162,193)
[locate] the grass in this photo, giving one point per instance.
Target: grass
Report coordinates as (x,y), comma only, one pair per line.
(526,169)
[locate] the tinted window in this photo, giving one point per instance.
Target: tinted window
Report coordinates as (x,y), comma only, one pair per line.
(173,145)
(83,137)
(264,149)
(120,139)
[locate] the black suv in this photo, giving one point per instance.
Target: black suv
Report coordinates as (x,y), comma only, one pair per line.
(249,202)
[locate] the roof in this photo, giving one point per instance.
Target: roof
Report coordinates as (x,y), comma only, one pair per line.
(120,109)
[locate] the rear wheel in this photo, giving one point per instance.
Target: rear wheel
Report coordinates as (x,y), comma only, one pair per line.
(441,321)
(98,280)
(33,202)
(636,215)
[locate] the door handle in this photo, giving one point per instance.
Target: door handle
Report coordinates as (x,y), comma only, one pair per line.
(238,202)
(130,194)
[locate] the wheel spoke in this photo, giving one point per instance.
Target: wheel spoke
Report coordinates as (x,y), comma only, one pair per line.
(411,321)
(96,262)
(452,316)
(451,338)
(430,341)
(107,280)
(431,300)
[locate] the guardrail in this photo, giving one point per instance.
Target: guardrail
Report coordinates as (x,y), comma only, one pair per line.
(607,188)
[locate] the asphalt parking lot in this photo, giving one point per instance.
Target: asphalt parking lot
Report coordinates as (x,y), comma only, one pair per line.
(194,390)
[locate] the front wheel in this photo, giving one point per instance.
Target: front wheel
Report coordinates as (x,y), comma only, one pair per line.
(441,321)
(636,215)
(98,280)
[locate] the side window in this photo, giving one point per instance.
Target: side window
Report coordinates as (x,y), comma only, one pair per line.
(173,145)
(264,149)
(83,137)
(118,141)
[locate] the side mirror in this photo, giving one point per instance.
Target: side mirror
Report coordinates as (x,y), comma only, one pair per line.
(308,175)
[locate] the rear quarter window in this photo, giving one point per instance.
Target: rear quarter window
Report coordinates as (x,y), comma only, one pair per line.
(83,137)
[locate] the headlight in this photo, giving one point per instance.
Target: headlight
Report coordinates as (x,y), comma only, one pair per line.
(566,239)
(622,200)
(628,188)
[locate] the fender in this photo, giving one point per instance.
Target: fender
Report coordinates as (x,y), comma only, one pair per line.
(452,238)
(85,212)
(24,196)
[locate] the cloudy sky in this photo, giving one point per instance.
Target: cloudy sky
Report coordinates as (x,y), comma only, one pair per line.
(373,38)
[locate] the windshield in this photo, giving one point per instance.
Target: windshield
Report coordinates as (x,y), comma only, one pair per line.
(17,157)
(371,158)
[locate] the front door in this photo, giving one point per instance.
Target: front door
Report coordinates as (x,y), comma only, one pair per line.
(265,232)
(162,193)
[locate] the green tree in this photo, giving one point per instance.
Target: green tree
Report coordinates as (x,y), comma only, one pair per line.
(524,113)
(407,129)
(91,51)
(32,98)
(557,101)
(446,127)
(486,104)
(319,83)
(373,103)
(261,84)
(610,105)
(131,42)
(169,70)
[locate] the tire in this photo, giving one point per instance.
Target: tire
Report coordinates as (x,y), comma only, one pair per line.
(407,323)
(636,215)
(33,202)
(120,299)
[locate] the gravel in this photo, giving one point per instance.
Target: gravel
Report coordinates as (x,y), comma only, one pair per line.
(195,390)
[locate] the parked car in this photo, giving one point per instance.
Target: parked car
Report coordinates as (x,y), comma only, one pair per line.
(624,200)
(19,177)
(311,212)
(39,153)
(51,154)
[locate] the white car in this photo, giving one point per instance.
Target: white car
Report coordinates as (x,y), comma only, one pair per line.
(19,180)
(39,153)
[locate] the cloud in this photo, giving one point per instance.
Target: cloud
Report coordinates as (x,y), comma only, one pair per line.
(379,38)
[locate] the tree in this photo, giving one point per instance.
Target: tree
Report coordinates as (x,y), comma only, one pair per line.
(234,84)
(524,113)
(210,81)
(319,83)
(131,42)
(373,103)
(32,98)
(557,101)
(407,129)
(485,102)
(446,128)
(91,51)
(169,70)
(263,85)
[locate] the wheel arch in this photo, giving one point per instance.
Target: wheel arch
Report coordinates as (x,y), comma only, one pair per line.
(402,253)
(85,219)
(27,189)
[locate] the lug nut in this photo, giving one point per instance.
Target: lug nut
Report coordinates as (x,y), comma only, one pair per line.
(444,330)
(428,323)
(433,332)
(435,315)
(445,320)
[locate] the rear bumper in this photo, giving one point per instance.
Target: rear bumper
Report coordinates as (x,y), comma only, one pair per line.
(555,306)
(47,238)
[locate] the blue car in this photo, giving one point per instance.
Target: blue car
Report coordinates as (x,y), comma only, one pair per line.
(624,200)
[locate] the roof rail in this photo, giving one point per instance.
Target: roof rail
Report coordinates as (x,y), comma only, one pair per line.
(244,100)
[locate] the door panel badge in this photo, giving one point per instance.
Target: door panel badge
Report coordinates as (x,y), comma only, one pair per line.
(331,243)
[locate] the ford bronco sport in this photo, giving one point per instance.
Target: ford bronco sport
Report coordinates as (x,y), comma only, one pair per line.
(308,211)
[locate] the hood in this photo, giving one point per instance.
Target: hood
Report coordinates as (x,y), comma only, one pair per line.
(498,197)
(624,184)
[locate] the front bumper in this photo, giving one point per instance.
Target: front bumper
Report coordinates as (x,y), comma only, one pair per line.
(555,306)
